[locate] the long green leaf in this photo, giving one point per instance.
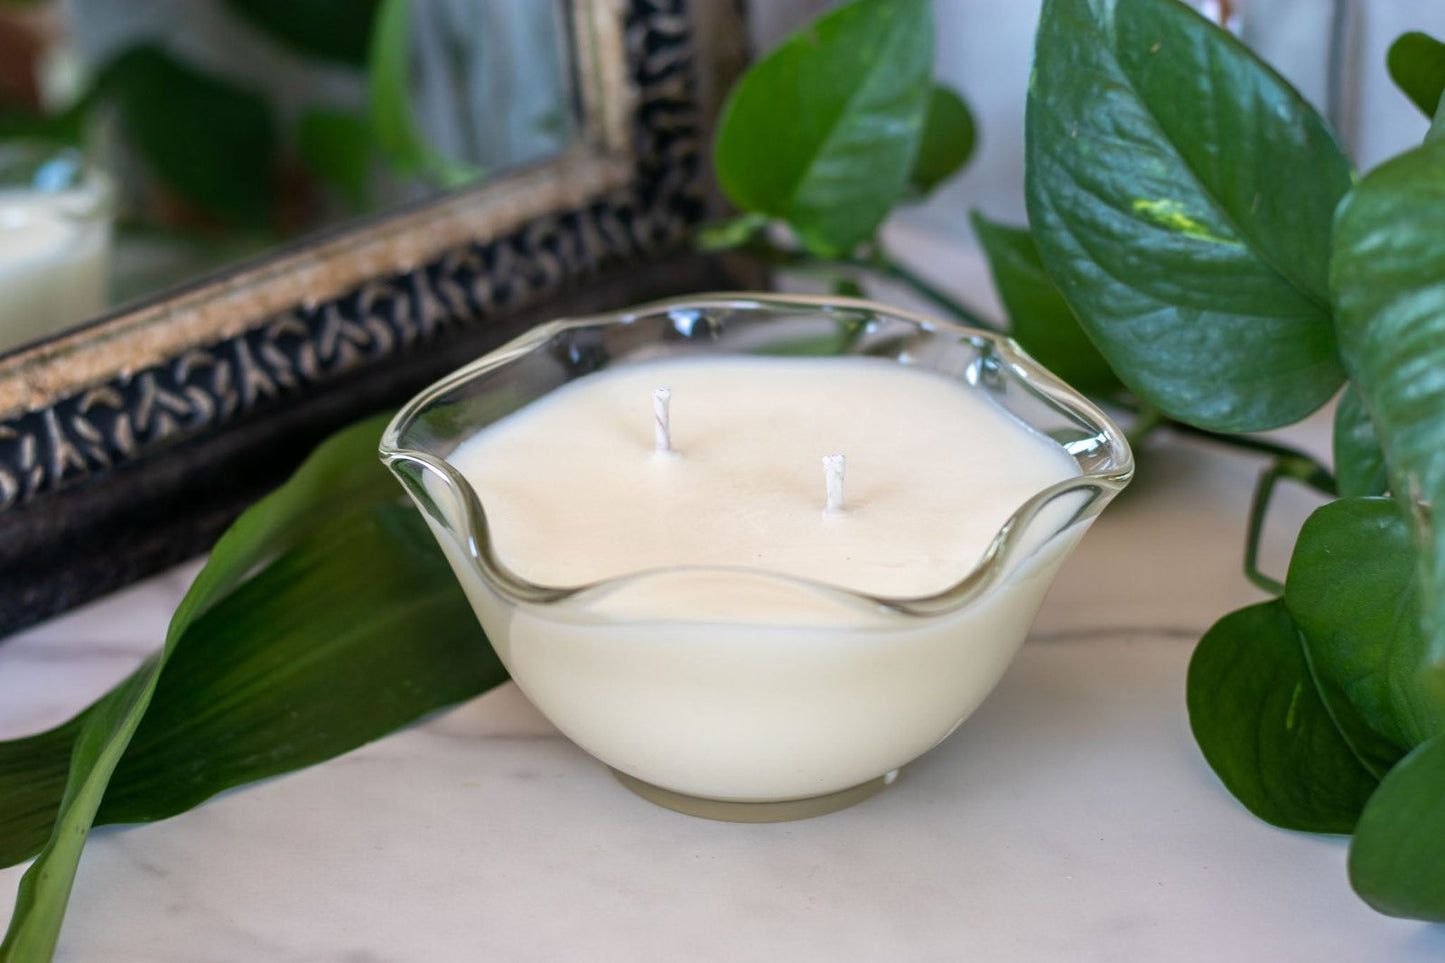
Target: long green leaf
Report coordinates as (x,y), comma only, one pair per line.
(1351,589)
(1398,852)
(1039,318)
(823,132)
(393,125)
(1263,729)
(1388,277)
(1181,195)
(325,618)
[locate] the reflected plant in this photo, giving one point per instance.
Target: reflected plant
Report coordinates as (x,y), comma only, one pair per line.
(219,146)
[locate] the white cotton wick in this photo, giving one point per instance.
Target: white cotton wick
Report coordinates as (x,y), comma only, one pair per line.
(833,481)
(662,421)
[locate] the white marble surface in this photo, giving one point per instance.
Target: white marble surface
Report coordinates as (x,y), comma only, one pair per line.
(1071,818)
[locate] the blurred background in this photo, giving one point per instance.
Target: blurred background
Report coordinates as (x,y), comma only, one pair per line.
(152,142)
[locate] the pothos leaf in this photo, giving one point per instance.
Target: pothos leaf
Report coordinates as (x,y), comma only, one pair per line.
(1399,845)
(324,618)
(1181,195)
(1359,463)
(337,146)
(1388,277)
(823,132)
(338,30)
(949,135)
(1351,588)
(1039,318)
(1417,65)
(1263,729)
(213,142)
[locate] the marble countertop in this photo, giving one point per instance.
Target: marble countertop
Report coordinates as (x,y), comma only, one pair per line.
(1071,818)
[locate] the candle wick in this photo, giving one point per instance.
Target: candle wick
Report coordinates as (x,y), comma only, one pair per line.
(833,466)
(662,421)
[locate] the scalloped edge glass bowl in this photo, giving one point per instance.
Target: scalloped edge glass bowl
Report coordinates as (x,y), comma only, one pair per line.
(761,718)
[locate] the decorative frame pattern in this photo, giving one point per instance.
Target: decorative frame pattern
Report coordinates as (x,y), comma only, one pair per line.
(132,385)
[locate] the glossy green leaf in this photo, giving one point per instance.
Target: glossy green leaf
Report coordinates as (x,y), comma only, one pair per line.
(1039,318)
(1359,463)
(393,123)
(1417,65)
(325,618)
(823,132)
(338,30)
(949,136)
(213,142)
(1263,729)
(1352,591)
(1397,858)
(337,146)
(1388,277)
(1181,196)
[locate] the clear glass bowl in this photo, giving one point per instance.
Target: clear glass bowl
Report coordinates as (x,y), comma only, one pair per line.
(734,715)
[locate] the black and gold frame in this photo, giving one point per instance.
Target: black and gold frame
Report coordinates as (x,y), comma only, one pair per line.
(128,444)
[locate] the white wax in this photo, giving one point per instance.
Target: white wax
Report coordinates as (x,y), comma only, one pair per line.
(573,493)
(733,683)
(53,262)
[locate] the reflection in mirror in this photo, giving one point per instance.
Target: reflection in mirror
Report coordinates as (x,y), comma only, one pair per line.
(147,143)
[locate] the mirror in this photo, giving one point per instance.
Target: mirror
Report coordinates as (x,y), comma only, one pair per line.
(155,142)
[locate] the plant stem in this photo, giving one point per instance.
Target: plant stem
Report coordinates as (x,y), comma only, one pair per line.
(1294,467)
(884,264)
(1302,467)
(1258,509)
(1146,419)
(880,263)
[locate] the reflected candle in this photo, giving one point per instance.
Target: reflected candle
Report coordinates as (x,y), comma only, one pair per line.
(54,241)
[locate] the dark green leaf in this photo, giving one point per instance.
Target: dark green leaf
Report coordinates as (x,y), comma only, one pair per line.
(337,146)
(1417,65)
(1397,859)
(1351,589)
(337,30)
(1040,319)
(1262,727)
(1181,195)
(325,618)
(211,141)
(1359,463)
(948,140)
(823,131)
(393,125)
(1388,277)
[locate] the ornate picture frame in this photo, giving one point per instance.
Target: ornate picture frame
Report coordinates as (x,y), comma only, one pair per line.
(129,443)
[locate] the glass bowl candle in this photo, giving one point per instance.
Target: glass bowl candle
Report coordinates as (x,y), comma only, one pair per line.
(756,553)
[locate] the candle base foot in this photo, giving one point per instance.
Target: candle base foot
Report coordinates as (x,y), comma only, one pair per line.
(733,811)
